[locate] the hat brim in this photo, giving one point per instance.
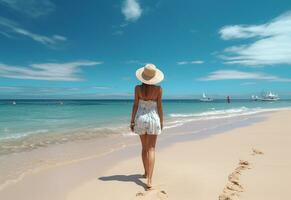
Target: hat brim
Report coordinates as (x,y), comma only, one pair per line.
(159,76)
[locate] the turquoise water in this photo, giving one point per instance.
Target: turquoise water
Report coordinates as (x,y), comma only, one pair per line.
(32,122)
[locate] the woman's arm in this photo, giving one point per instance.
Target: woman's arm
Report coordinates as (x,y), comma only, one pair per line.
(134,108)
(160,107)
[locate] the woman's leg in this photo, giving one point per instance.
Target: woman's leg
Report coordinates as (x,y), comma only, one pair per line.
(144,153)
(151,144)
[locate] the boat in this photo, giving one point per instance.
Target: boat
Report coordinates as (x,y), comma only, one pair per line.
(265,96)
(205,98)
(14,103)
(269,97)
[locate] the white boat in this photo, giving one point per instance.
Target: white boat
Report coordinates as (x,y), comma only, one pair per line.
(265,96)
(205,98)
(14,103)
(269,97)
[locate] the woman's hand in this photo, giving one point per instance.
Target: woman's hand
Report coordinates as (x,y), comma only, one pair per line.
(131,126)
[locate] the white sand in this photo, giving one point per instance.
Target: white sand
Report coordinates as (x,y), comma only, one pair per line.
(197,169)
(200,169)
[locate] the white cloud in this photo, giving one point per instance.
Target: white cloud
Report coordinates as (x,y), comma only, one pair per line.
(118,32)
(31,8)
(59,37)
(47,71)
(131,10)
(248,83)
(240,75)
(135,62)
(190,62)
(271,44)
(9,28)
(101,87)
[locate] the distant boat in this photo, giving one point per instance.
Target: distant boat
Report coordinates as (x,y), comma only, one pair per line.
(14,103)
(205,98)
(270,97)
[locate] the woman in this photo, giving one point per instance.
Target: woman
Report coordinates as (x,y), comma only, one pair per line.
(147,115)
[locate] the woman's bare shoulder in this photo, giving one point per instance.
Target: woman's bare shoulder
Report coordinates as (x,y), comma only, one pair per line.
(158,88)
(137,87)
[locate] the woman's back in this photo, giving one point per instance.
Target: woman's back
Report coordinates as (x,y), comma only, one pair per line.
(148,92)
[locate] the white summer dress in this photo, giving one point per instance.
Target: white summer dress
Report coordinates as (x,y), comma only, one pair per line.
(147,120)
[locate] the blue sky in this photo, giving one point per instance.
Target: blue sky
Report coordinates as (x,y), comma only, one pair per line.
(91,49)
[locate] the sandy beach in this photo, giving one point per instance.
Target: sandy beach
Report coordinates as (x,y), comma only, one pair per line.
(81,82)
(248,162)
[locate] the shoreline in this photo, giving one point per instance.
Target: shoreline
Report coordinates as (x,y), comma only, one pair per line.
(29,141)
(49,158)
(126,153)
(81,121)
(249,162)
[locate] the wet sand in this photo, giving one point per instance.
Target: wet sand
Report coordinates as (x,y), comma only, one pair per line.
(244,161)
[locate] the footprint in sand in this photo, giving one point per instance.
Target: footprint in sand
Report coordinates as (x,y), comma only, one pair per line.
(230,196)
(234,176)
(162,194)
(139,194)
(242,167)
(234,187)
(243,164)
(256,152)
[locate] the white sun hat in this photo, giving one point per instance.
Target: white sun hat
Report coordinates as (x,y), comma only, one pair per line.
(149,74)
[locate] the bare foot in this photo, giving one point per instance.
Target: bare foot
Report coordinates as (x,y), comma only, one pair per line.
(149,185)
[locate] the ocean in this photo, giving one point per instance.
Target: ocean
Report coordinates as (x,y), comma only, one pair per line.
(29,124)
(40,134)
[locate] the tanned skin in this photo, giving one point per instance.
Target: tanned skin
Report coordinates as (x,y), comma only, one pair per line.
(148,142)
